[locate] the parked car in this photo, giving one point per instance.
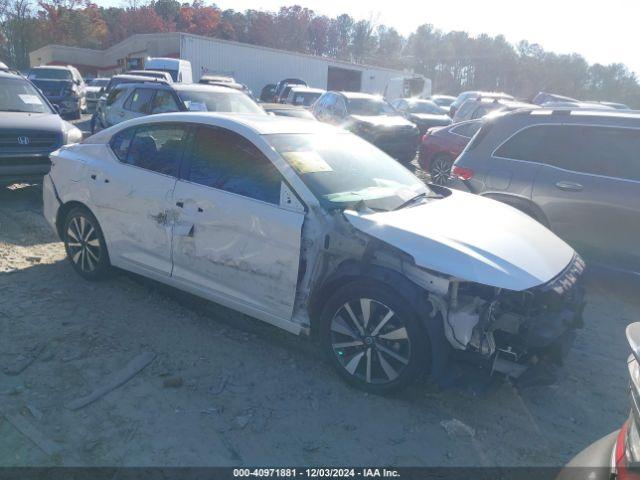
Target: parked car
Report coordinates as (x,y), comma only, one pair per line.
(94,90)
(287,110)
(179,69)
(157,74)
(303,96)
(444,101)
(617,455)
(464,96)
(30,129)
(424,113)
(63,86)
(267,94)
(224,81)
(576,171)
(544,97)
(283,84)
(479,107)
(98,120)
(440,146)
(371,118)
(216,79)
(617,106)
(312,229)
(134,100)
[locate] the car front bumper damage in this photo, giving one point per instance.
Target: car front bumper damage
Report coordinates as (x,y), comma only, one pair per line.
(522,335)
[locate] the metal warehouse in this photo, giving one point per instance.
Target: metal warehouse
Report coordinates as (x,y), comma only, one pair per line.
(252,65)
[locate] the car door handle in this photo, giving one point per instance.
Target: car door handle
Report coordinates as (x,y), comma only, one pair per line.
(121,114)
(93,176)
(180,204)
(200,210)
(569,186)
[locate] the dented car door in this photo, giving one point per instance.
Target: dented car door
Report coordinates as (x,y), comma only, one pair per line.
(232,240)
(133,197)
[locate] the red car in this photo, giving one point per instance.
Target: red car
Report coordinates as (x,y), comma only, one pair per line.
(440,146)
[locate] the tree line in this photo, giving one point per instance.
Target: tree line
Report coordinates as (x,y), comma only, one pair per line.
(455,61)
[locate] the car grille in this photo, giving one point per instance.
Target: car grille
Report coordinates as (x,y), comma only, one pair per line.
(22,161)
(29,140)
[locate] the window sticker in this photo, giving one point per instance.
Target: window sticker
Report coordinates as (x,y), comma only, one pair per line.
(30,99)
(307,162)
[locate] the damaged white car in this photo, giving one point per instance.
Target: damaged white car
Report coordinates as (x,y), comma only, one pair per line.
(314,230)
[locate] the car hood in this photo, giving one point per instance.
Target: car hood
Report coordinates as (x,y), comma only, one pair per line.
(428,117)
(44,122)
(382,120)
(471,238)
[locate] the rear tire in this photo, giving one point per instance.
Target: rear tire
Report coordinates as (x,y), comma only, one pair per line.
(372,337)
(440,169)
(85,245)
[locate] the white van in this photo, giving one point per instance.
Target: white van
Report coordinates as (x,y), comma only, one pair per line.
(405,87)
(180,70)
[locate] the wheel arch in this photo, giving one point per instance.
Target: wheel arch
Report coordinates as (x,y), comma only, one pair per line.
(64,210)
(351,271)
(523,204)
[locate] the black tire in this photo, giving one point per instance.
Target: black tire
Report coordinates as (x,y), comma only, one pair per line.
(85,245)
(440,169)
(360,352)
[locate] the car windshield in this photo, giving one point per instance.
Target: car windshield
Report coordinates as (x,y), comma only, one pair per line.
(203,101)
(98,82)
(305,98)
(369,107)
(18,95)
(343,170)
(50,74)
(425,107)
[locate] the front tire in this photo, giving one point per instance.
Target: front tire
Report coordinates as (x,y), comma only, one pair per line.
(372,338)
(85,245)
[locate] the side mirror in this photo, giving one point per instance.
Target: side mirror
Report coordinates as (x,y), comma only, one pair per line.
(101,91)
(633,337)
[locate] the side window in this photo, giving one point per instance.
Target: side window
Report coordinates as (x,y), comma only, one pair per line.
(120,143)
(157,147)
(467,129)
(227,161)
(140,100)
(114,95)
(164,102)
(530,145)
(608,151)
(479,113)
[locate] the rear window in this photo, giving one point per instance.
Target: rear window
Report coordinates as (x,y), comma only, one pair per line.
(50,74)
(606,151)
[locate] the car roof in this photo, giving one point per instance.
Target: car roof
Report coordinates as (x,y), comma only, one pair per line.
(575,114)
(302,88)
(354,95)
(259,124)
(281,106)
(53,67)
(201,87)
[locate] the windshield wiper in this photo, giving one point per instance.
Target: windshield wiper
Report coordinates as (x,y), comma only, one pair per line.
(416,198)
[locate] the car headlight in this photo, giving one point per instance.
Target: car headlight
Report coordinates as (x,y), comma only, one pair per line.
(72,135)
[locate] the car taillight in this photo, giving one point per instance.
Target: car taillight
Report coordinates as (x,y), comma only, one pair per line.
(624,470)
(461,173)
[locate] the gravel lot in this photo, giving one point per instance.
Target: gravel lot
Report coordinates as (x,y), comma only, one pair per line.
(224,389)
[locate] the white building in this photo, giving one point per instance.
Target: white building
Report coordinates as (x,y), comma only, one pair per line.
(252,65)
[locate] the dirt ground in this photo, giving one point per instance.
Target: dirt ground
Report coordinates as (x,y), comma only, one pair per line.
(224,389)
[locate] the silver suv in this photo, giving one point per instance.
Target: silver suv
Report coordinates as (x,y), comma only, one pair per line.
(576,171)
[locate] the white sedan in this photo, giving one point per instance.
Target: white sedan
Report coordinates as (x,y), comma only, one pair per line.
(314,230)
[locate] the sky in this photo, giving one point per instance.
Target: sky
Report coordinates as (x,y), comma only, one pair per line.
(602,32)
